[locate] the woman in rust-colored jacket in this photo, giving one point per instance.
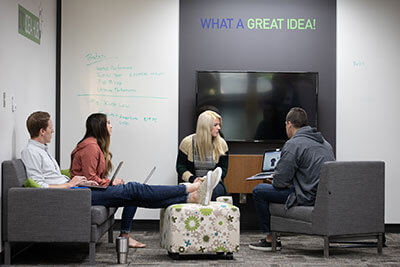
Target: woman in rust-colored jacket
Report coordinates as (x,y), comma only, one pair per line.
(91,158)
(89,161)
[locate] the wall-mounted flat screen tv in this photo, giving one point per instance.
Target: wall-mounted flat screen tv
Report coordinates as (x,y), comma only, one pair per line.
(253,105)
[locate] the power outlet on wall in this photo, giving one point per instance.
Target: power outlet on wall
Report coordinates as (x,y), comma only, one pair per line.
(13,104)
(242,198)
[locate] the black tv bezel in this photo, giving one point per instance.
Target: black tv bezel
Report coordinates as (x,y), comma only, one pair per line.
(266,141)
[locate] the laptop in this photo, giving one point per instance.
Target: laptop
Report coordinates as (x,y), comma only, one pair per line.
(104,187)
(150,174)
(270,160)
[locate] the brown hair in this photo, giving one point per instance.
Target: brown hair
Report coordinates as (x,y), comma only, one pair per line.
(96,126)
(36,121)
(298,117)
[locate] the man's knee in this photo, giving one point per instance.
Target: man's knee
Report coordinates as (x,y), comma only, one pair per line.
(261,191)
(257,190)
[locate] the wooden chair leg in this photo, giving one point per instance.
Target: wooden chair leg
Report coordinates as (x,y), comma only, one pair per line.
(273,241)
(7,253)
(326,246)
(92,253)
(380,243)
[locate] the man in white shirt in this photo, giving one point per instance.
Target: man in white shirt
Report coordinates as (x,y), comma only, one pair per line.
(40,165)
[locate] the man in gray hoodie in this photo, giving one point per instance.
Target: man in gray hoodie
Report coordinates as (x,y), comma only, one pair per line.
(296,176)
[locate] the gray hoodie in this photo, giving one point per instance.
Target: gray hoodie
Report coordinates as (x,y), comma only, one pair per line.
(301,160)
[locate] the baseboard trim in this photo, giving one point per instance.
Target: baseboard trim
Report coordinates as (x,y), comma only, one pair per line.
(140,225)
(392,228)
(154,225)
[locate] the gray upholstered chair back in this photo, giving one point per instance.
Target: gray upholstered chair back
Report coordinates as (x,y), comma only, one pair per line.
(13,175)
(350,198)
(49,215)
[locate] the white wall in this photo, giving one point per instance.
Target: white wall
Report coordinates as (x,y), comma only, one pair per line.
(368,91)
(27,73)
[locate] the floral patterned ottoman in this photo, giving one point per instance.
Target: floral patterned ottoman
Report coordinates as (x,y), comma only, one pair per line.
(195,229)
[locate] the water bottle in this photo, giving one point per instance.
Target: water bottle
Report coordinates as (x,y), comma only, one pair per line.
(122,246)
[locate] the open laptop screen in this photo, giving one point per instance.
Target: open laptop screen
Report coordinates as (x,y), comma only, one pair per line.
(271,158)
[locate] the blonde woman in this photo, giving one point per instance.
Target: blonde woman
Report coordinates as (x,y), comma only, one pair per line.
(203,151)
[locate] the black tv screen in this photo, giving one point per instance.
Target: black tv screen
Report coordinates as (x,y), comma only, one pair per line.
(253,105)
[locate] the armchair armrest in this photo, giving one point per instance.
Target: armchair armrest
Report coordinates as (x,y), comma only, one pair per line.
(48,215)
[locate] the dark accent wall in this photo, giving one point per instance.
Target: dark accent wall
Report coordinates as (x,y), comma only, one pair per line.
(58,81)
(258,50)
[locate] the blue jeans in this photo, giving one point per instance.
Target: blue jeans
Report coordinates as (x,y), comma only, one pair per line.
(263,194)
(140,195)
(126,220)
(218,191)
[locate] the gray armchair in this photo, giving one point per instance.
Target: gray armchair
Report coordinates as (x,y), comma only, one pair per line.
(49,215)
(349,206)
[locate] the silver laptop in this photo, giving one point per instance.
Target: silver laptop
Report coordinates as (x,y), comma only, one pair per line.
(104,187)
(270,160)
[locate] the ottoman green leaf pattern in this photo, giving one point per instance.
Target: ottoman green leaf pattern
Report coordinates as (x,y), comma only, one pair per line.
(196,229)
(192,223)
(206,211)
(221,249)
(178,207)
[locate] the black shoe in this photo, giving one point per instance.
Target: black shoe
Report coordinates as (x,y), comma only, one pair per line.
(263,245)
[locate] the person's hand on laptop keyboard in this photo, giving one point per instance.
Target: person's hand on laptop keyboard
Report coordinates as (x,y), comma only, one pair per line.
(86,183)
(118,181)
(77,180)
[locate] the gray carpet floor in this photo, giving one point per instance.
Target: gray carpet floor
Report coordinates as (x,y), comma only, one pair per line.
(296,251)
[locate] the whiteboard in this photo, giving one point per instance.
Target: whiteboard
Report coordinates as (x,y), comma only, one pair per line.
(121,58)
(368,93)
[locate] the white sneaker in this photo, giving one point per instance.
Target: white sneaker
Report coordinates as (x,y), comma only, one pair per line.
(216,177)
(204,194)
(207,187)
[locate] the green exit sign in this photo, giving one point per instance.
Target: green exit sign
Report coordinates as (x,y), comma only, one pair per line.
(28,24)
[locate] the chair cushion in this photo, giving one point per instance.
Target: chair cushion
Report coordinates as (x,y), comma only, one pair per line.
(301,213)
(31,183)
(100,214)
(66,172)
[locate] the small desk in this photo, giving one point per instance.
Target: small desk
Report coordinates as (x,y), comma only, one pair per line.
(240,168)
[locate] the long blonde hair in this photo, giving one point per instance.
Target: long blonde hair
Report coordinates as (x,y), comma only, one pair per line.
(205,143)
